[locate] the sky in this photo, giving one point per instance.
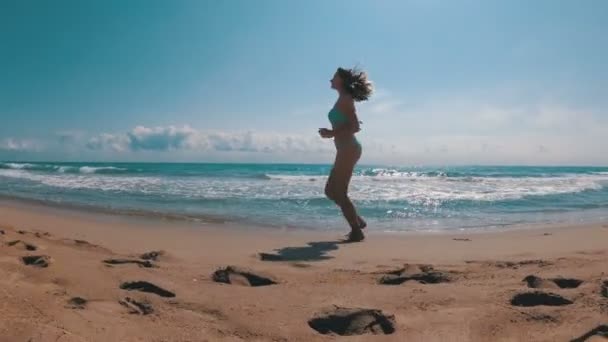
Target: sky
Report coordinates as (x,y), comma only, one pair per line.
(508,82)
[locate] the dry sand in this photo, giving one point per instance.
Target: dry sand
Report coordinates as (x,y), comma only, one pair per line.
(438,287)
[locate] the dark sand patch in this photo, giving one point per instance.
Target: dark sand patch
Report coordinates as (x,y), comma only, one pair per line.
(348,322)
(424,274)
(83,242)
(77,303)
(537,298)
(37,260)
(515,265)
(152,255)
(22,244)
(140,263)
(235,275)
(145,286)
(567,283)
(563,283)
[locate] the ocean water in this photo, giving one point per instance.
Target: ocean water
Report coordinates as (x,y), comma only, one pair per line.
(281,195)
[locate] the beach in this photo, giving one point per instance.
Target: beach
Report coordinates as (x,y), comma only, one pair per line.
(87,280)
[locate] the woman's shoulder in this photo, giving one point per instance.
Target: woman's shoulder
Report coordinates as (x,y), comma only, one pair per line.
(346,103)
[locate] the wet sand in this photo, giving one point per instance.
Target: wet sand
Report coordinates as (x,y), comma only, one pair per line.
(85,278)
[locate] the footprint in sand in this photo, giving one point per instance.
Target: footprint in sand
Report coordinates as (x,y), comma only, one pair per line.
(562,283)
(513,264)
(140,263)
(423,274)
(83,243)
(36,260)
(541,317)
(598,334)
(538,298)
(152,255)
(238,276)
(352,321)
(145,286)
(77,303)
(518,264)
(22,245)
(136,307)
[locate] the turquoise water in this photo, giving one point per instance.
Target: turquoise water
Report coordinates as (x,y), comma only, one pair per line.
(280,195)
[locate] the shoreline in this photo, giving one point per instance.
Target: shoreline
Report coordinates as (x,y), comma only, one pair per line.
(64,220)
(314,273)
(92,209)
(194,220)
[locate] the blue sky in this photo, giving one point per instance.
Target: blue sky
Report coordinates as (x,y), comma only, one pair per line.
(457,82)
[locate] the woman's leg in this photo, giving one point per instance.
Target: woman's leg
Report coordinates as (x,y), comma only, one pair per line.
(339,180)
(329,186)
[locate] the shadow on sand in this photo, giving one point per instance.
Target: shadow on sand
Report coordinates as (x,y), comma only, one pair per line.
(314,251)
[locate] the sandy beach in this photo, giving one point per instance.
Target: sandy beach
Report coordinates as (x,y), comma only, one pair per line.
(303,171)
(88,280)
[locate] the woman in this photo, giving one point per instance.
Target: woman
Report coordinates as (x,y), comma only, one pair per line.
(352,86)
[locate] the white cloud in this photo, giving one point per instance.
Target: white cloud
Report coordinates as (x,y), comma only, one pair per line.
(20,145)
(186,138)
(163,138)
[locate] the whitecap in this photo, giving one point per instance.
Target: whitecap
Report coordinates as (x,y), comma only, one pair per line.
(91,169)
(18,166)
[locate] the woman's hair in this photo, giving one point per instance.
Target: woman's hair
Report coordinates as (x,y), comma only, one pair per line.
(356,83)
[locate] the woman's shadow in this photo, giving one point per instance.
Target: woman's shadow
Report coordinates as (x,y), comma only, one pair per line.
(314,251)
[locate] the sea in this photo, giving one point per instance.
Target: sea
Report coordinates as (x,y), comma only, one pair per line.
(291,196)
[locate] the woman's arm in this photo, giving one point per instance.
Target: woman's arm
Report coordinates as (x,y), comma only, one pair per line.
(346,106)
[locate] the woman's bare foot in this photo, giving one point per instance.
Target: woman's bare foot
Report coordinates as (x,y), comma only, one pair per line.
(355,236)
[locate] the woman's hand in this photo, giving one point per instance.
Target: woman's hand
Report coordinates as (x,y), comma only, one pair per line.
(326,133)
